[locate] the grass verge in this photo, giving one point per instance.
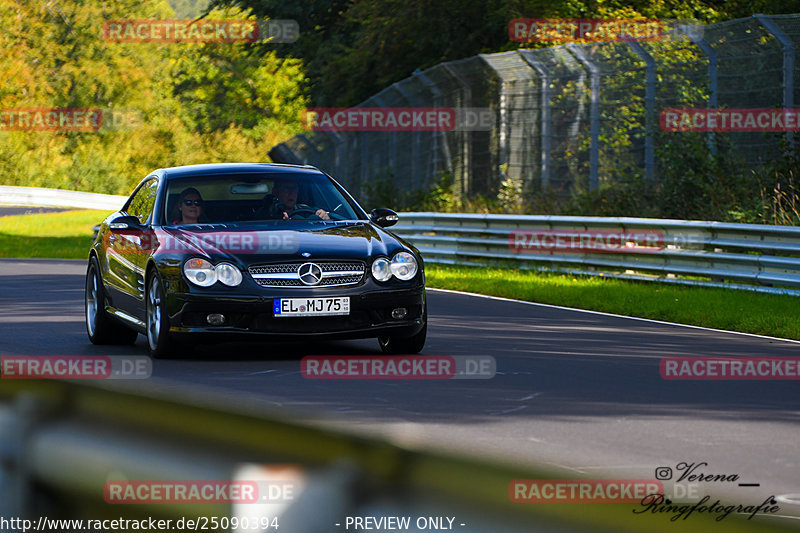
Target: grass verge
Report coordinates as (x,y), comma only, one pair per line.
(732,310)
(64,235)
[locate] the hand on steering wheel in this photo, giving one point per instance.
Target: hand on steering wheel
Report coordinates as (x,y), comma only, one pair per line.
(307,211)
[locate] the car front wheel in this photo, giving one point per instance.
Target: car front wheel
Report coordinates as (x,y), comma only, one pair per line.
(101,328)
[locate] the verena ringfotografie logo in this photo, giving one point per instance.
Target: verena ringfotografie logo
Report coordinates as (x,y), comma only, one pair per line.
(201,31)
(399,119)
(75,367)
(696,476)
(582,490)
(588,241)
(245,242)
(398,367)
(197,492)
(51,119)
(585,30)
(730,368)
(730,120)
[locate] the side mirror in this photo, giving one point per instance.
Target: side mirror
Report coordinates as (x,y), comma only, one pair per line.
(125,222)
(384,217)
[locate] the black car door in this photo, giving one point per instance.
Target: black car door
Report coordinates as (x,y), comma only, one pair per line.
(128,250)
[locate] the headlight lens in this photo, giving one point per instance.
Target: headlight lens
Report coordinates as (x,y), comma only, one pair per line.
(200,272)
(404,266)
(228,274)
(381,269)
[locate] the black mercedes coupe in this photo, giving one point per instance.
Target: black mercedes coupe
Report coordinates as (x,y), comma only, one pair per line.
(236,251)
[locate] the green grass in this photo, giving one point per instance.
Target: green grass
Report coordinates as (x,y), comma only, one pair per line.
(64,235)
(67,235)
(733,310)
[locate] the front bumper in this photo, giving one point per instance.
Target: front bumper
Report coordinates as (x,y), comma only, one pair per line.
(370,315)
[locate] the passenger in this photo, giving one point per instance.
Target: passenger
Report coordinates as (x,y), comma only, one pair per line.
(189,209)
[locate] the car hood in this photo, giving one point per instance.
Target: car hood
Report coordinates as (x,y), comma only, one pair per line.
(247,245)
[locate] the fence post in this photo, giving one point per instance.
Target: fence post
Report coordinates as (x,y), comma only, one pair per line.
(415,140)
(788,61)
(544,73)
(466,158)
(437,102)
(594,113)
(713,89)
(650,106)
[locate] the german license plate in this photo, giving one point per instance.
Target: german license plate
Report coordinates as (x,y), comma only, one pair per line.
(311,306)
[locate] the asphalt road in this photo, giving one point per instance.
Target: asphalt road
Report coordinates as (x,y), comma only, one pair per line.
(580,392)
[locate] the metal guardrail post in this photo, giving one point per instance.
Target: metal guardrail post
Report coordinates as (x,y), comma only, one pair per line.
(594,113)
(788,61)
(650,107)
(544,73)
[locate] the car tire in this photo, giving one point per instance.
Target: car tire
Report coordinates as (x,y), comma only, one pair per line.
(404,345)
(161,344)
(102,328)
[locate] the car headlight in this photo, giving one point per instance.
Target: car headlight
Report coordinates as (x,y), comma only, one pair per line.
(381,269)
(404,266)
(228,274)
(200,272)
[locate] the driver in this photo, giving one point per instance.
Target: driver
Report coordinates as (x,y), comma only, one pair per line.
(285,191)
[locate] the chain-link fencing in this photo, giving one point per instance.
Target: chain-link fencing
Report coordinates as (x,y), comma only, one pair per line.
(574,116)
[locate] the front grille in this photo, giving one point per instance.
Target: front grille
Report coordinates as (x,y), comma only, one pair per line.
(335,273)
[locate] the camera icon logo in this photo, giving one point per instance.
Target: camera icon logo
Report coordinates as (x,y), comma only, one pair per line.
(663,473)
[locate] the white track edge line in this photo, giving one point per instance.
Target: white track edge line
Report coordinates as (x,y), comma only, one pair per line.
(499,298)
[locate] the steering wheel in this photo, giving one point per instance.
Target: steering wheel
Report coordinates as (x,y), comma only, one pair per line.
(307,211)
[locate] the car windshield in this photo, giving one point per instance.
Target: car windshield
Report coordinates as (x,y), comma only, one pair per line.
(243,198)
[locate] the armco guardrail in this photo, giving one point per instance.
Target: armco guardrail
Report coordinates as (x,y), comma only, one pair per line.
(40,197)
(62,443)
(754,257)
(742,256)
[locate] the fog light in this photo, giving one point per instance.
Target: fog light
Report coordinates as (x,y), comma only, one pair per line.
(215,319)
(399,313)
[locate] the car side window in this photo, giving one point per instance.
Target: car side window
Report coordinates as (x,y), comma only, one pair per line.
(142,203)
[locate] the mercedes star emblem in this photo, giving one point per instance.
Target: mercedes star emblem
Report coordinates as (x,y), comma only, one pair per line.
(310,274)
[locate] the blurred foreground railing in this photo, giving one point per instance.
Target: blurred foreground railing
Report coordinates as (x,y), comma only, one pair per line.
(62,442)
(741,256)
